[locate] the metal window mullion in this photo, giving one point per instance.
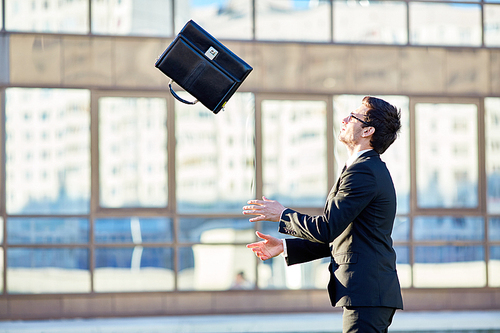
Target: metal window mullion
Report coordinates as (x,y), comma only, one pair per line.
(3,191)
(2,28)
(89,17)
(407,23)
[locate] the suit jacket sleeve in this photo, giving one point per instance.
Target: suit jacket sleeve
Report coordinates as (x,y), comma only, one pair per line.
(301,250)
(357,187)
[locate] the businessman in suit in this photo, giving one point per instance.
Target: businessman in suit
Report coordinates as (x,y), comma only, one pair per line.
(355,227)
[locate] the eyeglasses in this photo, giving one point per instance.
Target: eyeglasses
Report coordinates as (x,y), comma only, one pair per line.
(353,116)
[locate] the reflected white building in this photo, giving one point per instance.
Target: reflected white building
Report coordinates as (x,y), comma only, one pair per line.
(47,150)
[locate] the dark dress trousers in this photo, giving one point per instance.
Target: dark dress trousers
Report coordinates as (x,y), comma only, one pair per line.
(355,231)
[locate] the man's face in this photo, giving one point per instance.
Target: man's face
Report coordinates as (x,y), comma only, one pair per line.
(351,129)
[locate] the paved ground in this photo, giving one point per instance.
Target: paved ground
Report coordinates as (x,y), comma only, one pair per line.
(487,321)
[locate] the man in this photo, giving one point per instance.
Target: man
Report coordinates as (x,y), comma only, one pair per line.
(355,228)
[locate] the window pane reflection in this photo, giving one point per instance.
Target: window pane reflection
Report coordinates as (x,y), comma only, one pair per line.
(2,266)
(275,274)
(134,269)
(403,266)
(216,267)
(223,19)
(492,123)
(401,230)
(33,271)
(445,24)
(47,230)
(494,229)
(216,230)
(138,17)
(492,25)
(449,267)
(47,151)
(494,267)
(446,155)
(293,20)
(369,22)
(448,228)
(215,156)
(47,16)
(133,230)
(132,152)
(294,152)
(397,156)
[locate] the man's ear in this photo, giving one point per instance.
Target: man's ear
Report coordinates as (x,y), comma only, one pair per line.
(367,131)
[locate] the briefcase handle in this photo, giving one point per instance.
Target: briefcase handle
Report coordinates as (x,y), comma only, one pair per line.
(178,97)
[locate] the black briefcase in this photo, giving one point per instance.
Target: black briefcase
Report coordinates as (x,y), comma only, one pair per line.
(203,67)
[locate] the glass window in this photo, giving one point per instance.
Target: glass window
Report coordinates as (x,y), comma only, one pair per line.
(132,152)
(401,229)
(48,270)
(445,24)
(492,124)
(449,267)
(397,156)
(223,19)
(494,229)
(1,270)
(293,20)
(47,151)
(294,152)
(138,17)
(369,22)
(275,274)
(215,156)
(216,267)
(216,230)
(494,267)
(492,25)
(448,228)
(403,266)
(133,230)
(47,16)
(50,230)
(446,155)
(134,269)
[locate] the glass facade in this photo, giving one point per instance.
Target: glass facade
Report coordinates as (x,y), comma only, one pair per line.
(447,155)
(452,23)
(132,152)
(110,186)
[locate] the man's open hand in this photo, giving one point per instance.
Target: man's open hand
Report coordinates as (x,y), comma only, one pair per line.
(268,248)
(267,210)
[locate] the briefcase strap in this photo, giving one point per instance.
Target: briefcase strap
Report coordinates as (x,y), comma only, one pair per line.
(178,97)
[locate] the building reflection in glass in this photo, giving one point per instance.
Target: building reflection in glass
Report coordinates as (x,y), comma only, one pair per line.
(446,155)
(215,156)
(47,151)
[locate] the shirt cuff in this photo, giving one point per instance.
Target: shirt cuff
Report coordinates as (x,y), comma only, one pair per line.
(285,252)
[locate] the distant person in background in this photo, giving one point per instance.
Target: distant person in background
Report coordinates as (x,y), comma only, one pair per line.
(240,282)
(355,228)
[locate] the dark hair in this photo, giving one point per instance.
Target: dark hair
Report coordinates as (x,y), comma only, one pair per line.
(386,119)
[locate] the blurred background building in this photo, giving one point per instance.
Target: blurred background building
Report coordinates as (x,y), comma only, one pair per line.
(115,200)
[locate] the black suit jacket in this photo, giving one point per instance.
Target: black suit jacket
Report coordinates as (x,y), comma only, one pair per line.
(355,230)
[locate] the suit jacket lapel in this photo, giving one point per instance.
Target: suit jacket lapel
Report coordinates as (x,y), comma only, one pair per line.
(335,187)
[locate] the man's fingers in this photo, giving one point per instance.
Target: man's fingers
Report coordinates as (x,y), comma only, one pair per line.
(253,245)
(258,218)
(261,235)
(255,202)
